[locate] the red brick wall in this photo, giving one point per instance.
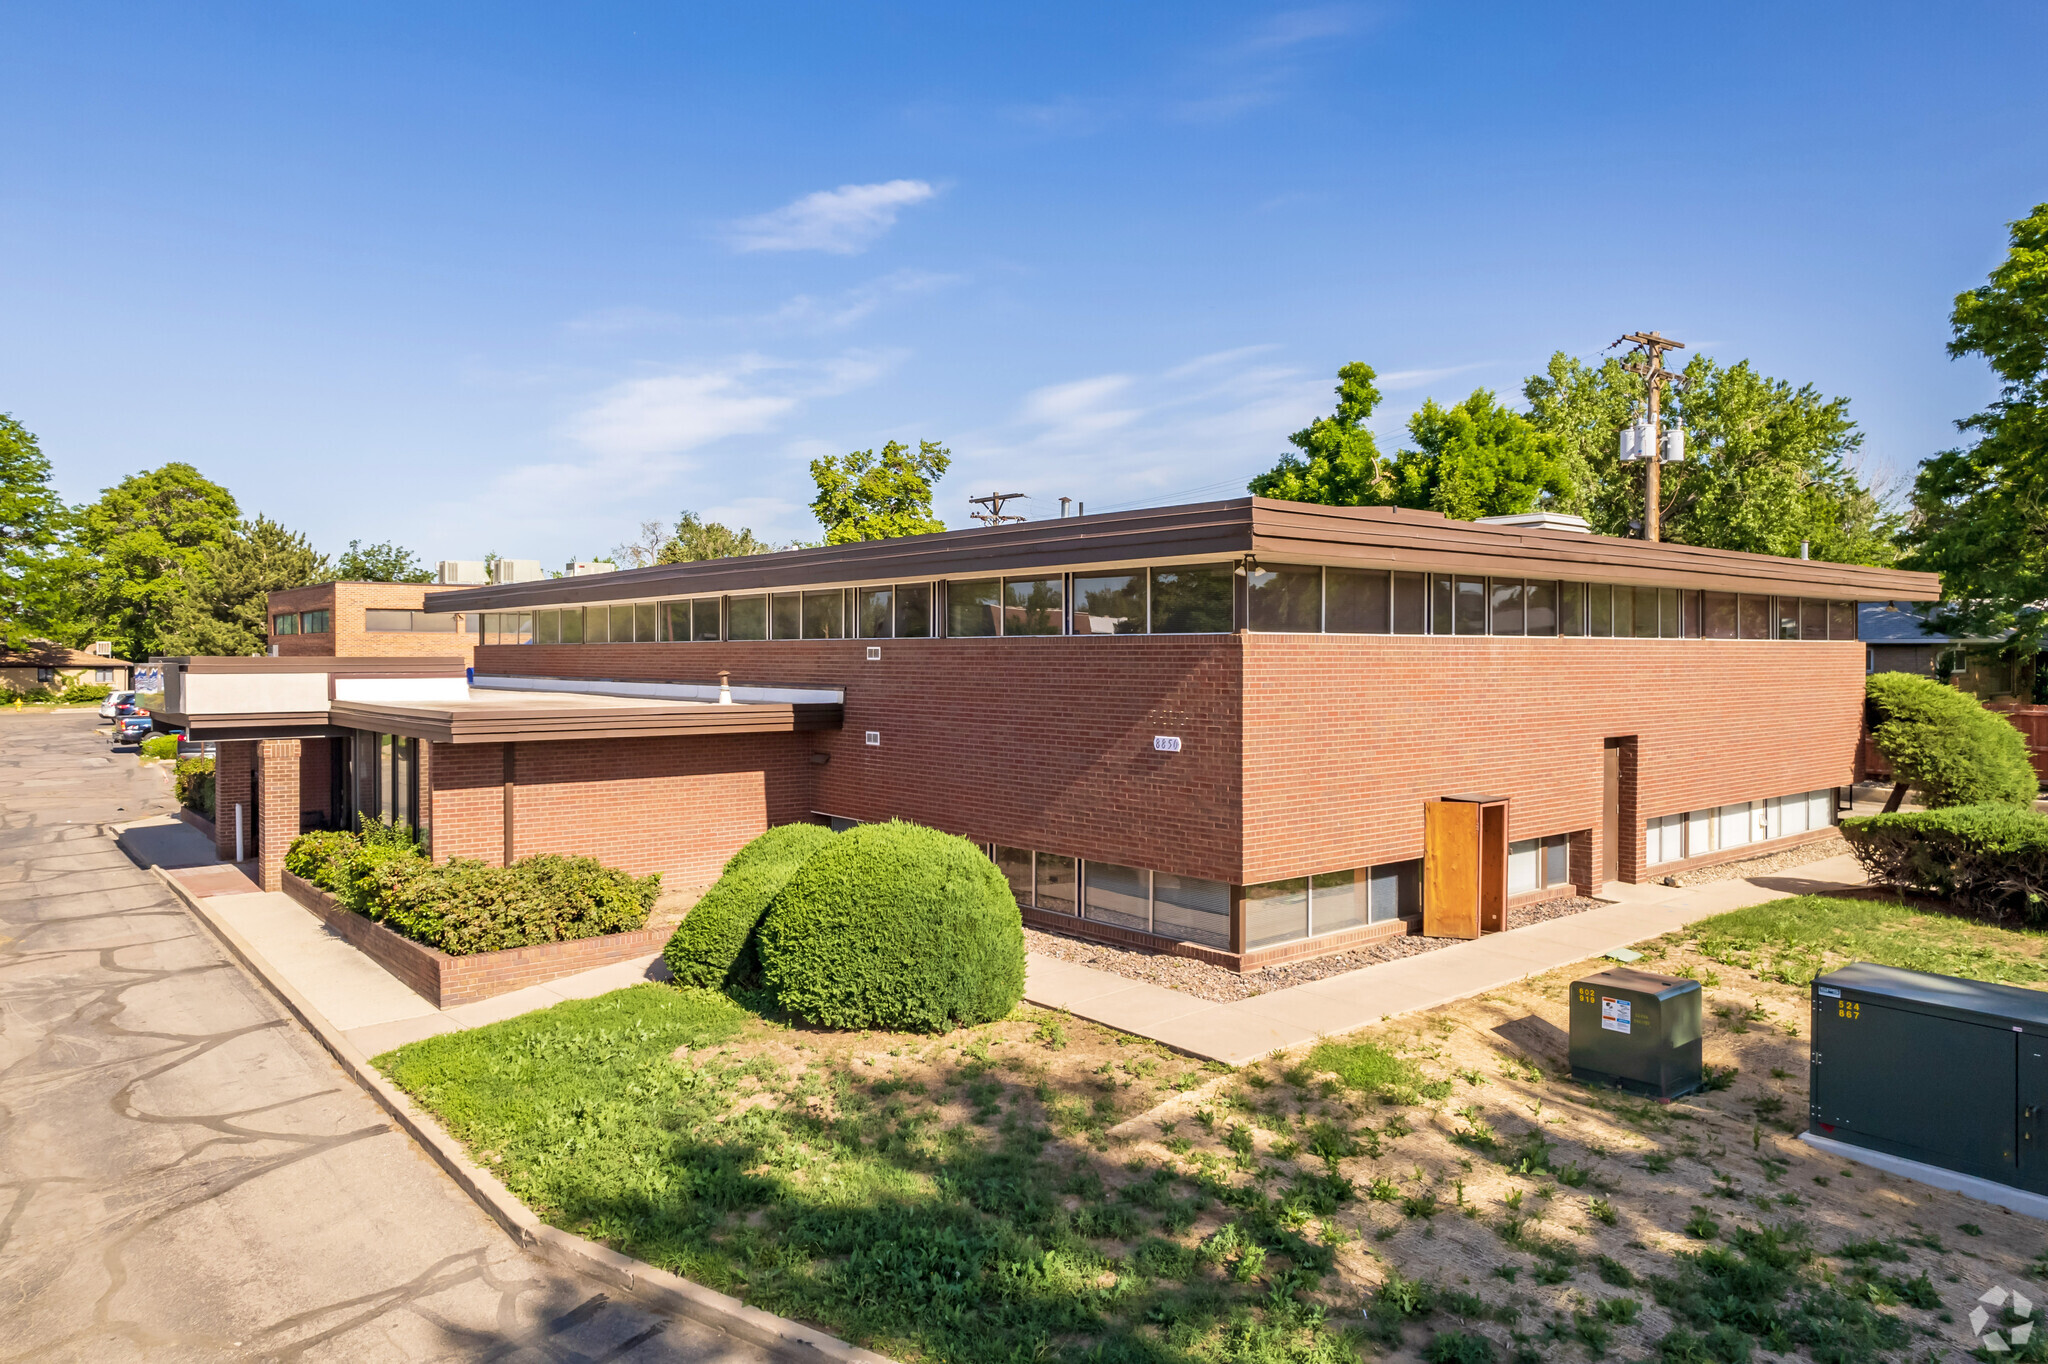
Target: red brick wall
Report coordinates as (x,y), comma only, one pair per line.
(232,764)
(348,638)
(278,793)
(316,782)
(1347,736)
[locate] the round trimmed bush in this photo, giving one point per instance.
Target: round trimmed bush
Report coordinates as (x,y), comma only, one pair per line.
(895,926)
(1946,746)
(710,946)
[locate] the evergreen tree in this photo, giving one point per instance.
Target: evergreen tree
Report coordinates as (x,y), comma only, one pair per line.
(224,608)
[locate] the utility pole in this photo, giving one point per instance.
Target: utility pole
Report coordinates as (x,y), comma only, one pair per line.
(994,502)
(1648,361)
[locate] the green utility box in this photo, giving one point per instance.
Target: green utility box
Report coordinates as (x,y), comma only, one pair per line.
(1638,1032)
(1948,1072)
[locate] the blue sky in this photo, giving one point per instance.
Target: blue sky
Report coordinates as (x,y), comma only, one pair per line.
(516,278)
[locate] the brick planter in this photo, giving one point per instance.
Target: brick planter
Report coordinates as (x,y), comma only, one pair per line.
(445,981)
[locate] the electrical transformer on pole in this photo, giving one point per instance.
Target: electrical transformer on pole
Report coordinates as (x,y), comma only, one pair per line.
(1646,439)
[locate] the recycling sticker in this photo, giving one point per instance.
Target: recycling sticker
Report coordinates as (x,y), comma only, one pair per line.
(2011,1337)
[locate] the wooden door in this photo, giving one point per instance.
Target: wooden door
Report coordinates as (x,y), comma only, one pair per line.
(1450,869)
(1493,868)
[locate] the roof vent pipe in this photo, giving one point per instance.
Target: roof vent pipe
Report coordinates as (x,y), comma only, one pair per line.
(724,687)
(1804,546)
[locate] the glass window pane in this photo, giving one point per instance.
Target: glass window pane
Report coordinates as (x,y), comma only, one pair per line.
(1506,609)
(1355,602)
(1571,608)
(1110,605)
(1689,610)
(1787,614)
(621,625)
(643,622)
(1118,895)
(1287,599)
(1600,599)
(1813,618)
(1411,603)
(1471,606)
(748,618)
(1667,613)
(316,622)
(704,619)
(1557,860)
(1442,593)
(914,611)
(1540,604)
(1735,825)
(1033,606)
(1820,808)
(379,619)
(1193,601)
(525,627)
(547,627)
(1190,909)
(786,615)
(1524,866)
(1015,865)
(1275,912)
(287,624)
(1397,890)
(1646,612)
(569,625)
(675,621)
(1055,888)
(436,622)
(1336,899)
(1793,813)
(971,608)
(876,608)
(1841,620)
(1720,616)
(1754,615)
(825,615)
(1624,612)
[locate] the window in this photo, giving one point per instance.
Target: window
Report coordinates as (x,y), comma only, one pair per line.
(1275,912)
(914,611)
(1647,610)
(1557,860)
(1286,600)
(786,615)
(1411,603)
(1054,882)
(547,627)
(621,624)
(46,674)
(1120,896)
(1506,607)
(103,675)
(1033,606)
(1669,626)
(1813,618)
(1841,620)
(1700,833)
(319,622)
(1015,865)
(436,622)
(972,608)
(1191,909)
(1540,606)
(874,612)
(748,618)
(1571,607)
(675,621)
(506,627)
(1336,900)
(1600,610)
(644,628)
(1354,602)
(572,625)
(825,615)
(1109,605)
(1538,863)
(288,623)
(1732,824)
(1194,600)
(1458,605)
(1397,890)
(1720,618)
(1787,616)
(1689,613)
(1624,611)
(1664,839)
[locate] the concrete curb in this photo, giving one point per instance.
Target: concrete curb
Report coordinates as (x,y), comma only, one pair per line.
(654,1287)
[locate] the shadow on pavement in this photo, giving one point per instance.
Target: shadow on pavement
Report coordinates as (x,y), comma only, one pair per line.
(165,842)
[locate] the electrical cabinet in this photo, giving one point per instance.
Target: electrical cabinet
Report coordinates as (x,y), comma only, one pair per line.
(1945,1071)
(1637,1031)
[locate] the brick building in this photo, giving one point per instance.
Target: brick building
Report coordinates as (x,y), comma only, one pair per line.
(1244,730)
(368,620)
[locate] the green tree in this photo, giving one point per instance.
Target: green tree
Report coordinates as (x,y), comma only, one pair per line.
(1945,745)
(1982,512)
(33,523)
(1476,459)
(141,545)
(225,606)
(1338,462)
(1767,465)
(380,563)
(865,497)
(694,540)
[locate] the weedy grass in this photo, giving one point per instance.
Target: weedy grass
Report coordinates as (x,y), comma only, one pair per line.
(1369,1068)
(1796,939)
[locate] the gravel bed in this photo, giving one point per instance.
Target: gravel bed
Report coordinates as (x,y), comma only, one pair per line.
(1206,981)
(1816,851)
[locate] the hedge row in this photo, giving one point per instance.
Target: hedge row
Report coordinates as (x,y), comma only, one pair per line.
(890,926)
(1945,745)
(193,778)
(1988,858)
(464,906)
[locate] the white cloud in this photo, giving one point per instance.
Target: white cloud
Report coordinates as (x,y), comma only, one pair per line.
(843,310)
(622,321)
(843,221)
(666,414)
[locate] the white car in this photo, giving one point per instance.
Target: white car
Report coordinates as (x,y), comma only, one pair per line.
(113,700)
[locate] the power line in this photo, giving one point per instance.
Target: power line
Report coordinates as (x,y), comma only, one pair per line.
(1648,361)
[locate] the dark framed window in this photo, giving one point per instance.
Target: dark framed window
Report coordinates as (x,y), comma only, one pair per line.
(286,624)
(785,615)
(1505,609)
(1689,614)
(1571,608)
(1194,600)
(675,621)
(1841,620)
(1275,912)
(1669,622)
(644,624)
(1719,618)
(622,625)
(1054,882)
(1117,895)
(747,618)
(1786,611)
(1813,618)
(825,615)
(1109,604)
(704,619)
(319,622)
(1015,865)
(1397,890)
(1539,606)
(1286,600)
(1557,859)
(1034,606)
(571,625)
(974,608)
(1648,602)
(1191,909)
(874,611)
(1336,900)
(1599,610)
(913,611)
(547,627)
(1355,602)
(1624,612)
(1411,603)
(1754,617)
(1469,606)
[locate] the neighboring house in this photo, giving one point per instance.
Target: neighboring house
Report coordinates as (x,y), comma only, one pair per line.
(43,666)
(372,620)
(1897,639)
(1248,731)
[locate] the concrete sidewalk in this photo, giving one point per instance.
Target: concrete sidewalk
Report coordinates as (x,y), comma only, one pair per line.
(1248,1029)
(366,1003)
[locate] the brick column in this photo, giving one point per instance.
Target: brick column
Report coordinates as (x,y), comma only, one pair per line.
(278,822)
(232,764)
(1632,864)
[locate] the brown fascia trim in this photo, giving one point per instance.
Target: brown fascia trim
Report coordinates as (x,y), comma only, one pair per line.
(1277,532)
(526,725)
(309,724)
(331,664)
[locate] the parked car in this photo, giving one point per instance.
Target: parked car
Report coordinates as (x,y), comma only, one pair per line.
(132,729)
(111,707)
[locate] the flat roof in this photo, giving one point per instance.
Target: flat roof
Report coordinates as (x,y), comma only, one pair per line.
(496,717)
(1267,530)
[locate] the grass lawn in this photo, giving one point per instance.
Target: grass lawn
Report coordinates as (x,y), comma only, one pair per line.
(1434,1187)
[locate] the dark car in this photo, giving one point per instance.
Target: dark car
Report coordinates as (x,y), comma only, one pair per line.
(132,729)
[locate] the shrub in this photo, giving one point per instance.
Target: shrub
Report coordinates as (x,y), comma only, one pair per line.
(468,906)
(323,857)
(85,693)
(160,746)
(715,943)
(895,926)
(194,782)
(362,879)
(1946,746)
(1990,858)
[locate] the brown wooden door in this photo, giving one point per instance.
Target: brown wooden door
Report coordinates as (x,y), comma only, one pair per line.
(1493,868)
(1450,869)
(1610,815)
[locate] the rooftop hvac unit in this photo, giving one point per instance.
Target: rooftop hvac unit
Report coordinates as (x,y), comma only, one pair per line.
(585,570)
(515,571)
(103,647)
(1637,1032)
(461,571)
(1538,520)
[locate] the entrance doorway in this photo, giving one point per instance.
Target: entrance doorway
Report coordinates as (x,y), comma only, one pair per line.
(1464,866)
(1617,802)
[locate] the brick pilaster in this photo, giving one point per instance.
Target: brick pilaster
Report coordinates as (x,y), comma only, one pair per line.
(278,820)
(232,765)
